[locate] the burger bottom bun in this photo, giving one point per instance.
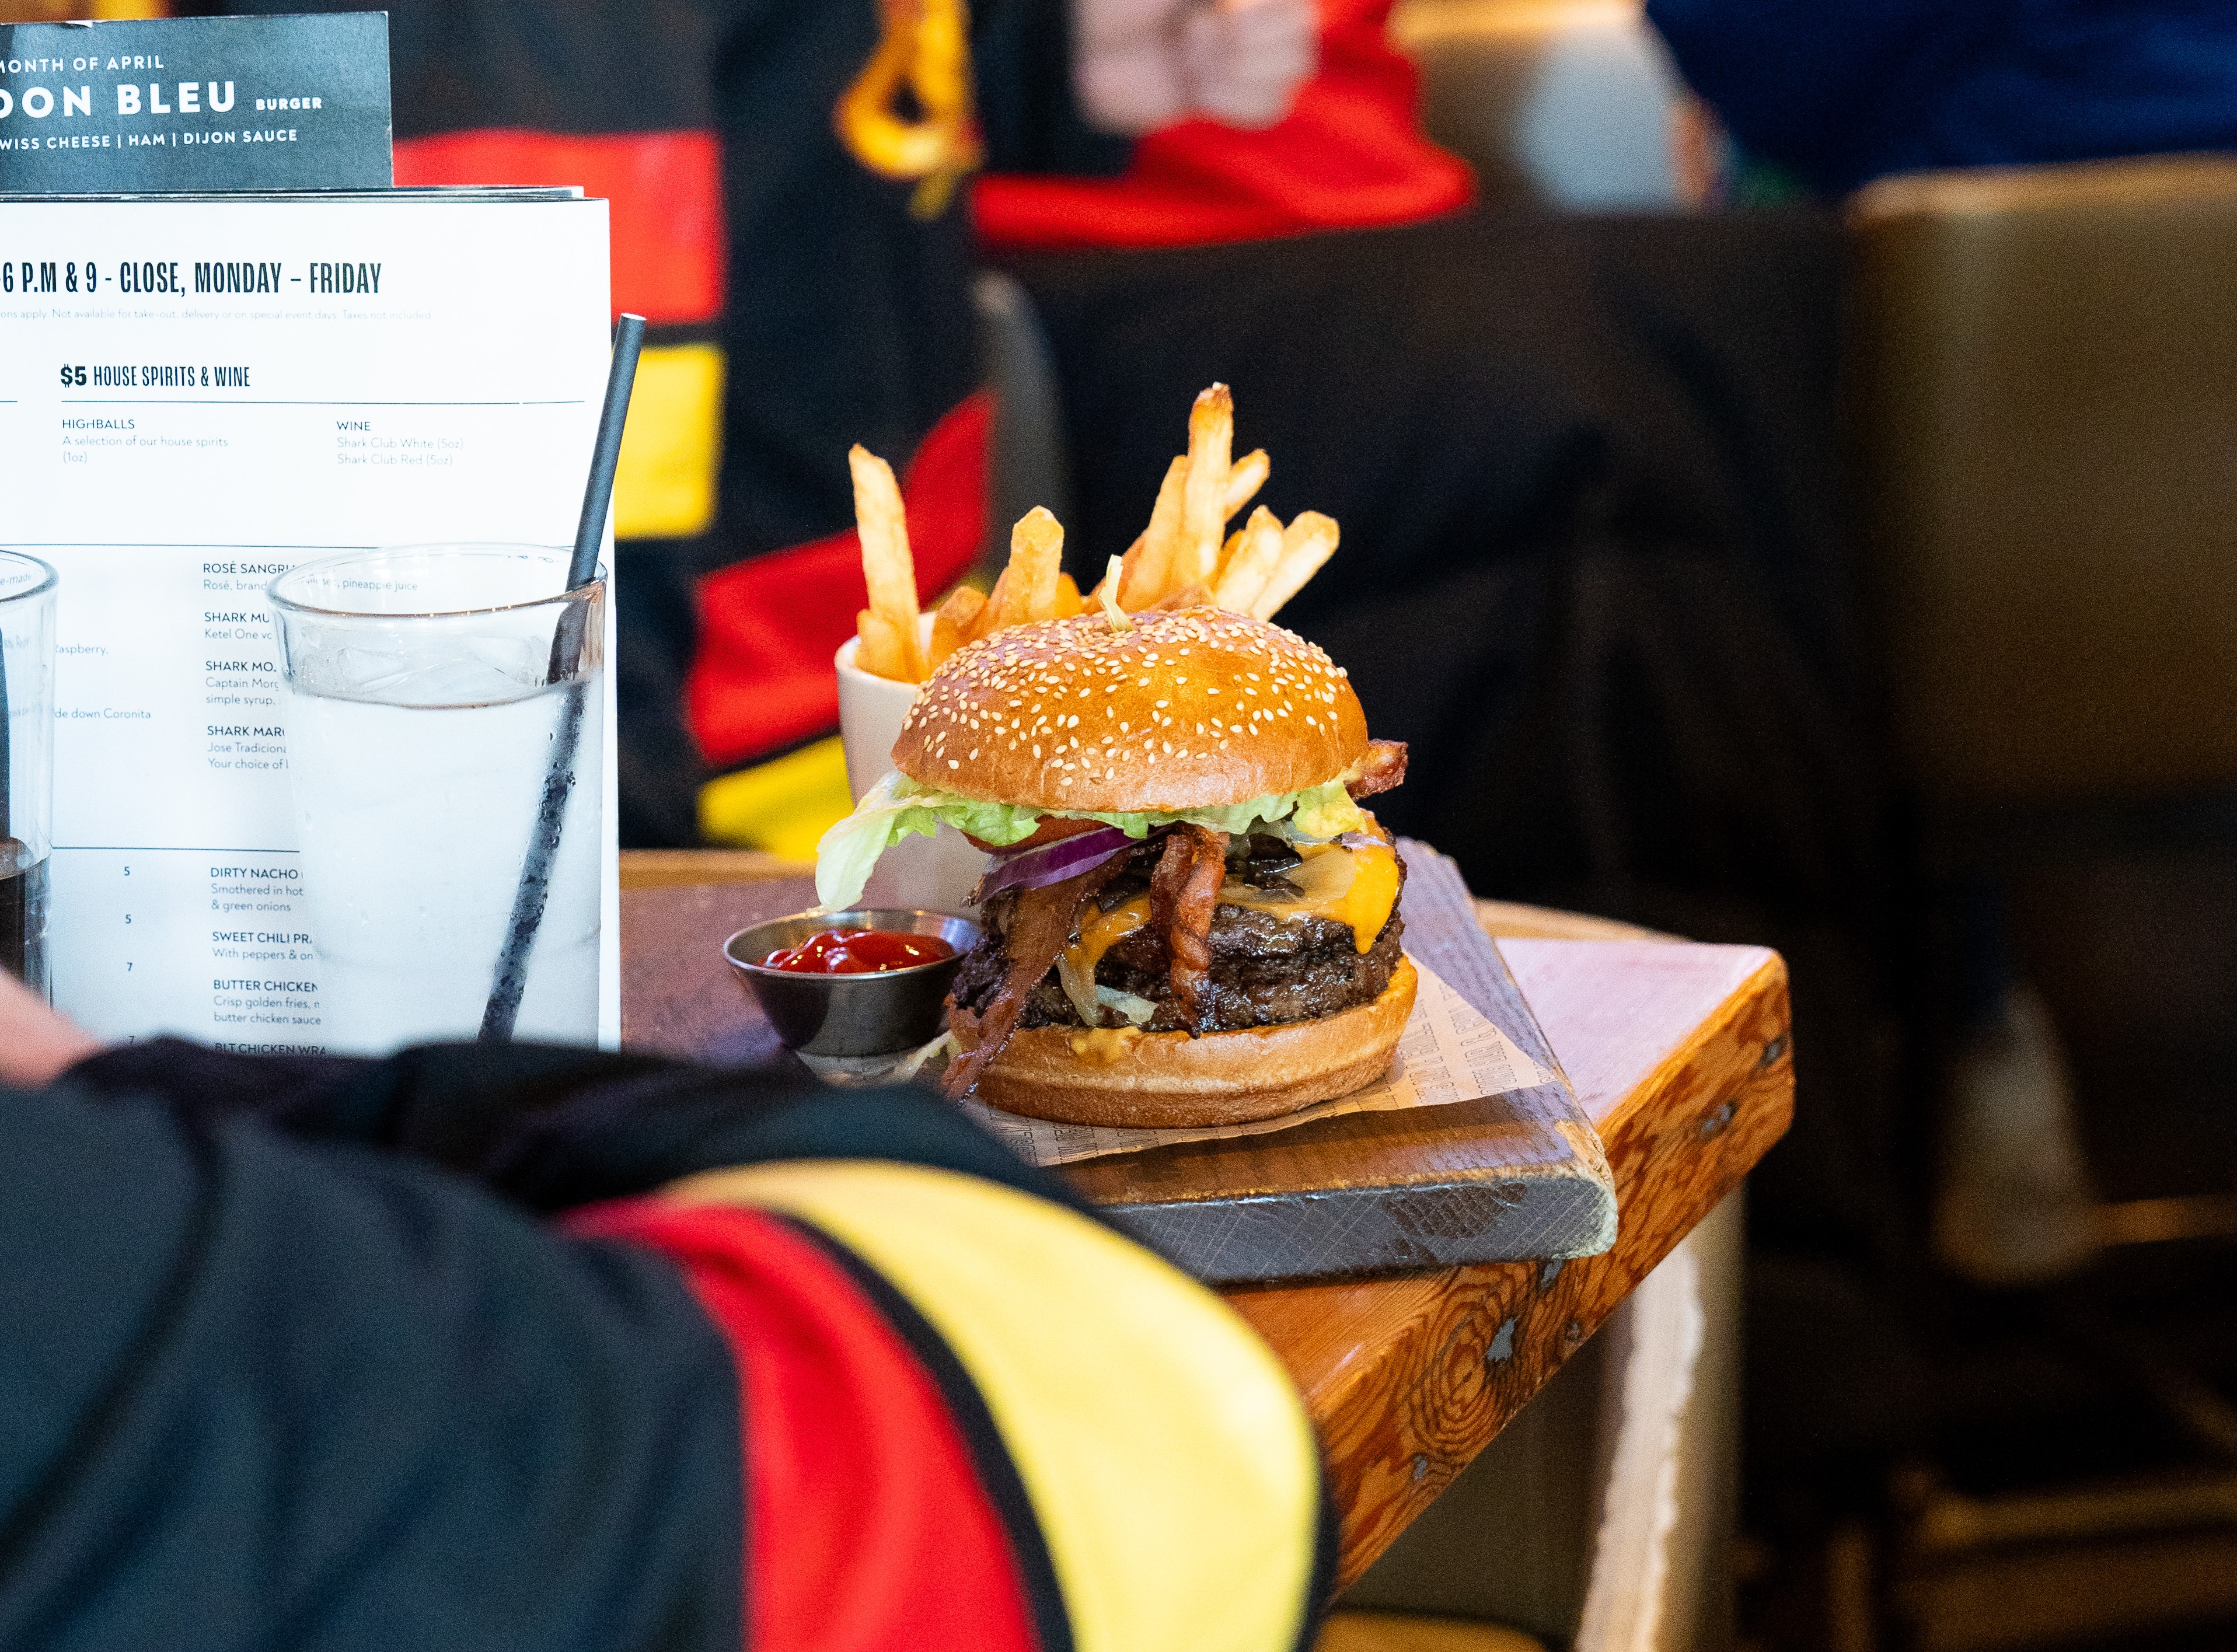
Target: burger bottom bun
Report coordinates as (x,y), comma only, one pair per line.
(1171,1081)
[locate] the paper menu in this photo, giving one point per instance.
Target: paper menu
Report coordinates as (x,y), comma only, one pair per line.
(198,393)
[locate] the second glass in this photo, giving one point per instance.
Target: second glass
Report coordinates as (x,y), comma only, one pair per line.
(443,706)
(27,758)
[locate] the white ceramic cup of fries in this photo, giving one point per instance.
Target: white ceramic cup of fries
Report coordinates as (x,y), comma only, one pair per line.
(932,874)
(1185,557)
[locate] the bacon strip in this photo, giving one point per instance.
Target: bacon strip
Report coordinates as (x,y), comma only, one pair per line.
(1038,929)
(1183,892)
(1382,767)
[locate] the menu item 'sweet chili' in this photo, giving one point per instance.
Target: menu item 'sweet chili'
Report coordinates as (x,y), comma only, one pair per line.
(858,952)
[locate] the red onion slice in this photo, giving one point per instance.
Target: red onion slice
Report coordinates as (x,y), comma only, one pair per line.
(1051,863)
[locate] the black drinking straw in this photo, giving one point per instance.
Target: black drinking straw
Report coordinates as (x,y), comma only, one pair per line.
(7,773)
(13,896)
(528,901)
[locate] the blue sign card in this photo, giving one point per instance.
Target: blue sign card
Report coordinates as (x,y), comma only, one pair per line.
(192,104)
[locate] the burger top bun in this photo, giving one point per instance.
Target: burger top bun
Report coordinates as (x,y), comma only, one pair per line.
(1189,708)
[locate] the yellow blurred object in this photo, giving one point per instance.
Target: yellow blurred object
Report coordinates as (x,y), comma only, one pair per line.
(665,487)
(1402,1632)
(926,46)
(783,806)
(80,10)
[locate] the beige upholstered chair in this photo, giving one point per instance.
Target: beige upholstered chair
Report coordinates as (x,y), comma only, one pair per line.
(2046,369)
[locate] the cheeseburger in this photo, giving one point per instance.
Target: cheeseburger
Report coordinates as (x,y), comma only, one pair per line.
(1188,918)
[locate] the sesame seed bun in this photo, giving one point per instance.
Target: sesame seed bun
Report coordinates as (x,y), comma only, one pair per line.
(1171,1081)
(1194,709)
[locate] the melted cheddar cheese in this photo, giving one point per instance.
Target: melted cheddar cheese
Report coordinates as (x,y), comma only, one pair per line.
(1101,931)
(1356,887)
(1106,1046)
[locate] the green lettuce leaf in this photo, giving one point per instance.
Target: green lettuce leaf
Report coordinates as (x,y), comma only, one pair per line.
(897,807)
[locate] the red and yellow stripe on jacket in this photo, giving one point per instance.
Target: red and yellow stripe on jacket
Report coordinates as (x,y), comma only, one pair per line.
(669,252)
(981,1422)
(761,681)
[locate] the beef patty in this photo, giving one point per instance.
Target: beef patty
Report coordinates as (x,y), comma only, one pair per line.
(1265,970)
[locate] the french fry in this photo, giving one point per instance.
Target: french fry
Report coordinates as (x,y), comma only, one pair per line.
(989,618)
(1150,564)
(882,652)
(1306,543)
(1069,603)
(1243,481)
(888,568)
(1226,555)
(1246,573)
(1036,559)
(1203,497)
(951,622)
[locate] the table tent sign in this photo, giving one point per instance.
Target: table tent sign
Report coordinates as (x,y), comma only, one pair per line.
(198,103)
(228,356)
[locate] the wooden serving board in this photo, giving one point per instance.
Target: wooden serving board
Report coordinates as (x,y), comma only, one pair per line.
(1502,1178)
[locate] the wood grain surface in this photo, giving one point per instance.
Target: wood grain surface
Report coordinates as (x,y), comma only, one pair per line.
(1679,1054)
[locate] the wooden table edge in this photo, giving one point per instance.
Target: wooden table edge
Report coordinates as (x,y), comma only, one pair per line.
(1408,1377)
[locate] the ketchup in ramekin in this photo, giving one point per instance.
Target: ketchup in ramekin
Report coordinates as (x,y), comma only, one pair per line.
(858,952)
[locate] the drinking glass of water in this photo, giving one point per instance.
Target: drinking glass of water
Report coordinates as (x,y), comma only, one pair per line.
(27,763)
(444,708)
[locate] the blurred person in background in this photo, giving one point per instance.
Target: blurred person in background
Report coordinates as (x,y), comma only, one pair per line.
(789,214)
(1588,554)
(493,1347)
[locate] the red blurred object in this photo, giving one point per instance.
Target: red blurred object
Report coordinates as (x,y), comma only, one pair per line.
(1349,155)
(665,190)
(858,952)
(769,625)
